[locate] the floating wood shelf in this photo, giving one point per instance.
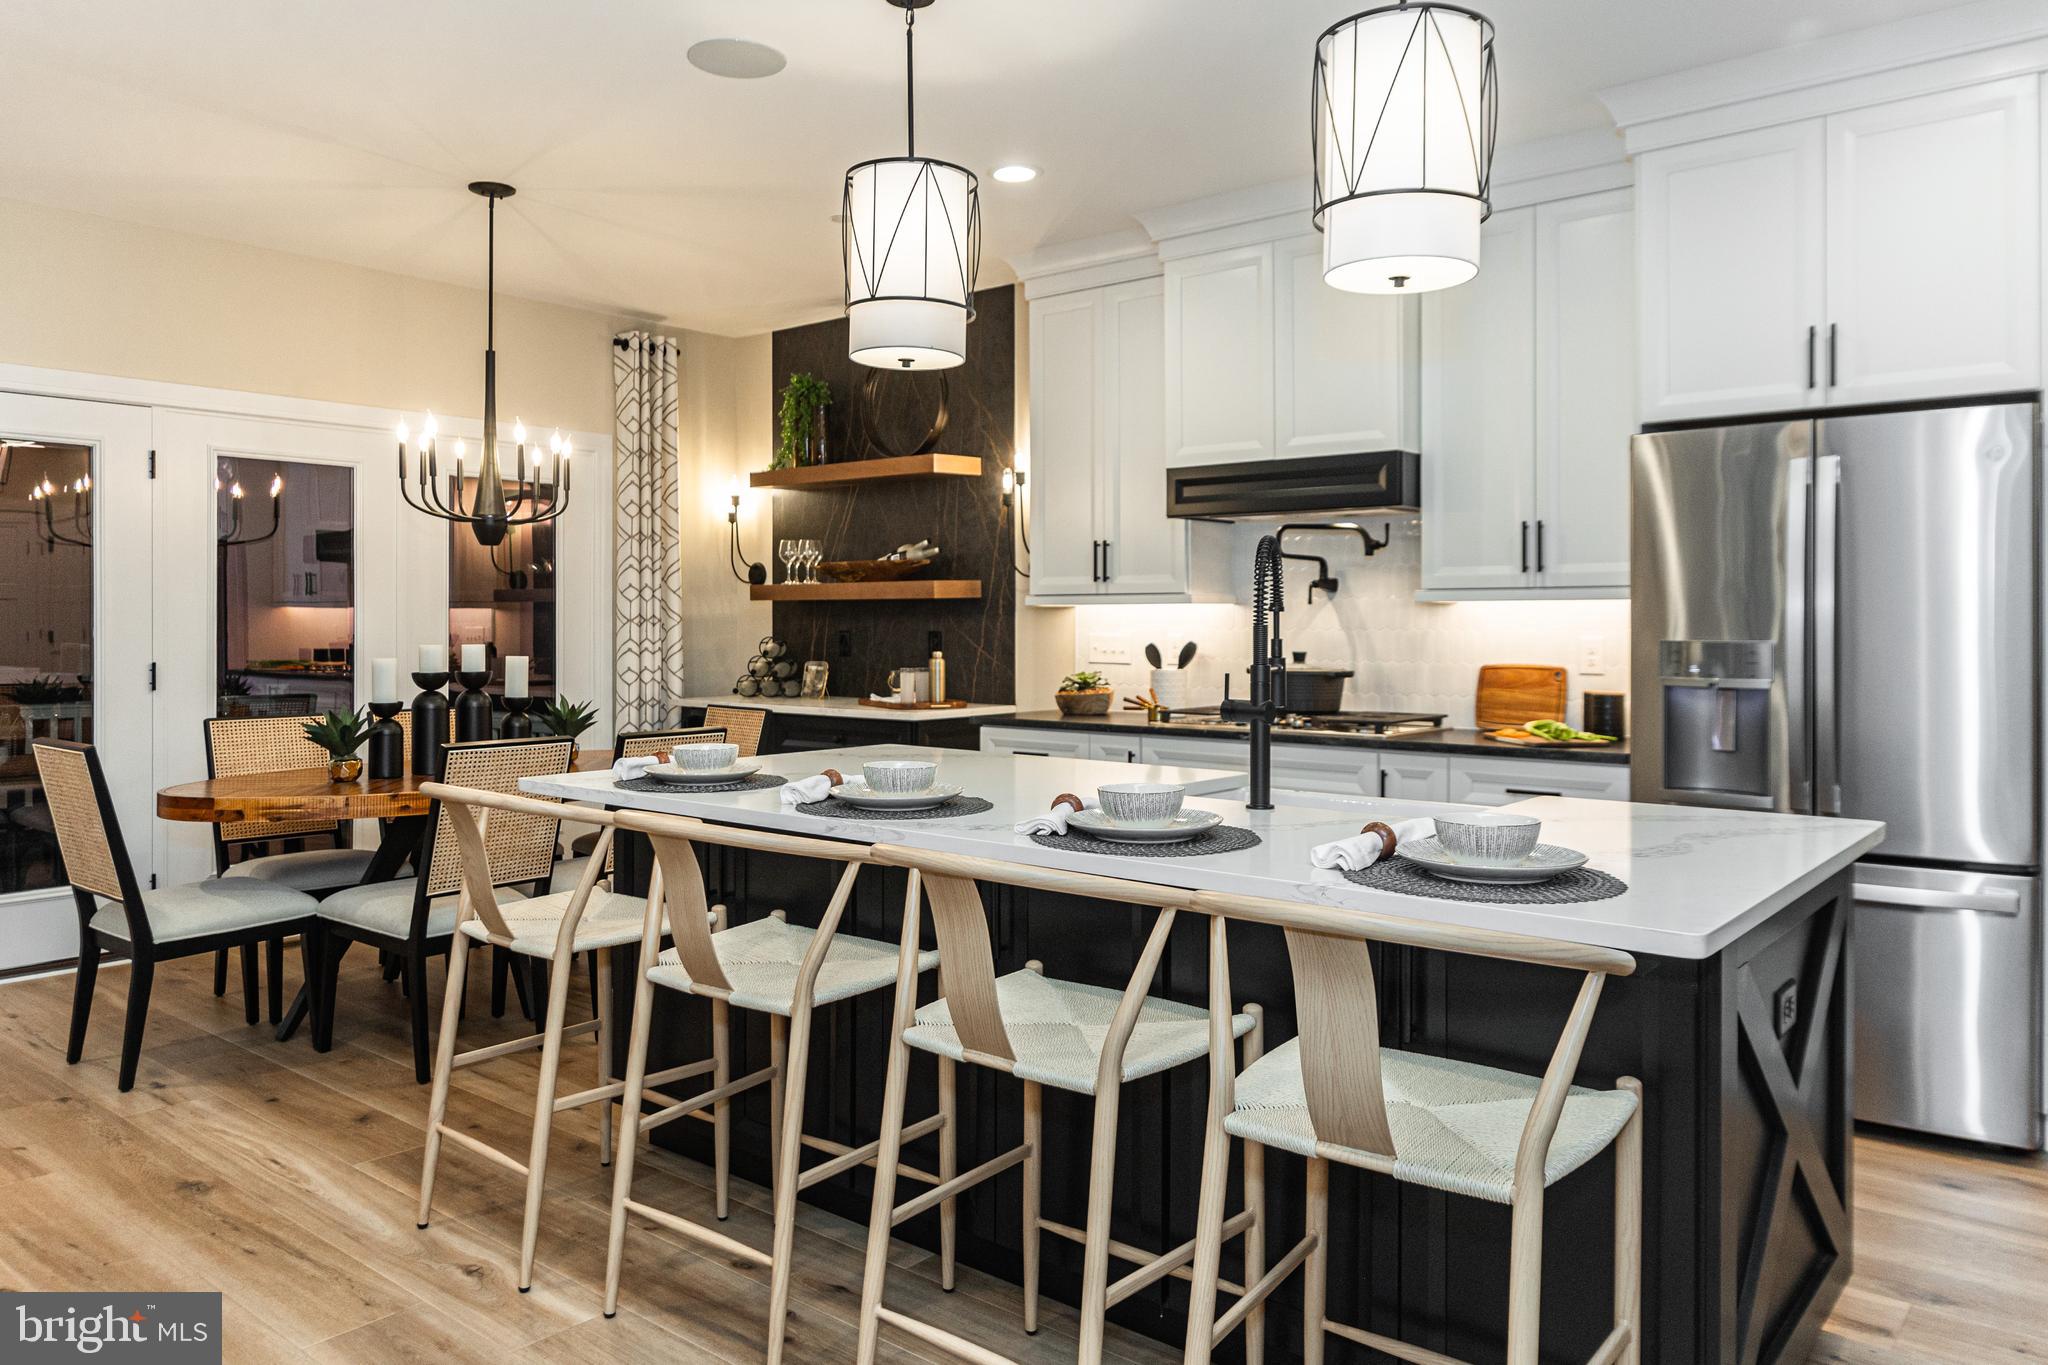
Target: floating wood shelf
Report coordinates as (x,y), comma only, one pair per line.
(866,471)
(903,590)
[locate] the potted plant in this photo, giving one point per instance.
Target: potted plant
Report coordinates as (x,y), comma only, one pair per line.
(1084,694)
(341,733)
(569,719)
(800,421)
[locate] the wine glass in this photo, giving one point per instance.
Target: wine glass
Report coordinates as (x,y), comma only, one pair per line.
(785,550)
(812,554)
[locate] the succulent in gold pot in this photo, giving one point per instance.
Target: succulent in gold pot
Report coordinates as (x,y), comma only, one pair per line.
(1084,694)
(341,733)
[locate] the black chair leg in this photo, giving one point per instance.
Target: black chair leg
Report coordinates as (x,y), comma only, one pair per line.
(501,968)
(81,999)
(220,971)
(248,951)
(328,950)
(416,996)
(141,973)
(537,977)
(522,982)
(273,960)
(394,966)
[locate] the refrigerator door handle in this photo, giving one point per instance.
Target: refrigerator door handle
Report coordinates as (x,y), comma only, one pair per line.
(1827,736)
(1798,737)
(1913,898)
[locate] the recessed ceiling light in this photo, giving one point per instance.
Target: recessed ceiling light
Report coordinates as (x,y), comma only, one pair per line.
(736,58)
(1015,174)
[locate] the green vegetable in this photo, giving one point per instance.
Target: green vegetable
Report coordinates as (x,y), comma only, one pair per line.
(1557,730)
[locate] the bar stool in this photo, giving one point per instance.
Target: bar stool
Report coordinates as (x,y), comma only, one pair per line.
(628,744)
(1087,1040)
(1334,1094)
(552,929)
(784,971)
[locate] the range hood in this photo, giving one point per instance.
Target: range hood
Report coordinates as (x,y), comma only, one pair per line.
(1313,486)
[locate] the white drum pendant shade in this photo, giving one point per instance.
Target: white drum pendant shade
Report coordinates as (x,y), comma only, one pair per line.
(912,234)
(1403,144)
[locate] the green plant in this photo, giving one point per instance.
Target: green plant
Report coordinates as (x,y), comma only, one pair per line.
(340,733)
(1083,682)
(568,719)
(804,400)
(46,691)
(235,685)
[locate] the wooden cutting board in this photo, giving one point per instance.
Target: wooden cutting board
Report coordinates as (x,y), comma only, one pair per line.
(1513,694)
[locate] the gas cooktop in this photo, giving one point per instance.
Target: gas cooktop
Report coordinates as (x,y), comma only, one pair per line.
(1328,723)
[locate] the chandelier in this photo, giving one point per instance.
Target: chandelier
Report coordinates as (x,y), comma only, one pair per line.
(910,231)
(1403,108)
(538,495)
(228,488)
(44,492)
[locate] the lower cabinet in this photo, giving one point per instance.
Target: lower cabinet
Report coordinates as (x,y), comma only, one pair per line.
(1038,743)
(1415,777)
(1501,781)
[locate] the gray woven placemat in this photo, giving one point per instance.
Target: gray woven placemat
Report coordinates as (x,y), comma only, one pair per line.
(1222,839)
(1400,875)
(757,783)
(958,805)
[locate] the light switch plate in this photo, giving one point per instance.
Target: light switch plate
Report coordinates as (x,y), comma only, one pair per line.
(1108,647)
(1592,655)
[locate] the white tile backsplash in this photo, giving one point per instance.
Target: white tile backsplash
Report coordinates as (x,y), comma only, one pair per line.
(1409,655)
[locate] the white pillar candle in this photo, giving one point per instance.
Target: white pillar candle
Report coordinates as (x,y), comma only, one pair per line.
(383,680)
(472,658)
(515,675)
(433,659)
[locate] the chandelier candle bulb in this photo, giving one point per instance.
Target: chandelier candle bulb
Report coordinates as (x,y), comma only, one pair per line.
(515,675)
(384,680)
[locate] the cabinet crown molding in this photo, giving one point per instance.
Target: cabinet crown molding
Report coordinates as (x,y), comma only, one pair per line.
(1087,263)
(1952,47)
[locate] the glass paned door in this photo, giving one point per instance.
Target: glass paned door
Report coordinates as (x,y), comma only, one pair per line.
(75,642)
(284,586)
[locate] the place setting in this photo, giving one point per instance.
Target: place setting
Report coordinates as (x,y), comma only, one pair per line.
(1135,820)
(696,769)
(887,789)
(1483,855)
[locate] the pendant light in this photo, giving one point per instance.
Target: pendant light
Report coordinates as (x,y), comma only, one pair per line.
(910,231)
(1403,110)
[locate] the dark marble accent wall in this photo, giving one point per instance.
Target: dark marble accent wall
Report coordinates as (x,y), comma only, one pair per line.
(964,517)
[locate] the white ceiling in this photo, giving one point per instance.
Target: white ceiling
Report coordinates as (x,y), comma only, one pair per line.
(346,129)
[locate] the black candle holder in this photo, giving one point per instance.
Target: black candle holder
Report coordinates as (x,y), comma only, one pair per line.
(516,724)
(429,723)
(473,708)
(385,748)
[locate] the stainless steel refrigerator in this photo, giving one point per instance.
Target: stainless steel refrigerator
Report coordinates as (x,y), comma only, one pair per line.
(1840,617)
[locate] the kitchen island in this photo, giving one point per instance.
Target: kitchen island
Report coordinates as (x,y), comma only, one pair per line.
(1736,1021)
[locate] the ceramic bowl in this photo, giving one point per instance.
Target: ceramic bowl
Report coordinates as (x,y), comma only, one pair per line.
(704,758)
(892,775)
(1141,804)
(1490,838)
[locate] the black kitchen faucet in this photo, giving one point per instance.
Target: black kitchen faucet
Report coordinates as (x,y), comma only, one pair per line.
(1268,670)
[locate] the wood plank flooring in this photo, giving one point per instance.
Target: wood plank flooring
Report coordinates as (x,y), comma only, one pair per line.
(286,1179)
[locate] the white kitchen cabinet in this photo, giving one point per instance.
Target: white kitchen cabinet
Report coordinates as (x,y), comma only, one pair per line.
(1414,777)
(1501,781)
(1046,743)
(1098,479)
(1344,364)
(1219,357)
(1113,750)
(1528,405)
(1884,254)
(1934,245)
(1335,768)
(1227,755)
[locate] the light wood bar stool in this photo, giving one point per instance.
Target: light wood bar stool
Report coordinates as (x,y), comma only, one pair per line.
(1087,1040)
(1334,1094)
(553,929)
(628,744)
(779,969)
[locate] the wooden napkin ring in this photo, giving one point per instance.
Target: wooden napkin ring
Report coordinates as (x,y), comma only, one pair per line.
(837,779)
(1386,833)
(1067,799)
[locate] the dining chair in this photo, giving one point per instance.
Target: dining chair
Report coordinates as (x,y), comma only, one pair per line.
(785,971)
(631,744)
(1084,1039)
(746,726)
(152,926)
(1333,1094)
(414,917)
(240,745)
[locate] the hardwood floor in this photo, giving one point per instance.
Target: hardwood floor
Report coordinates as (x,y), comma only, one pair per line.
(286,1179)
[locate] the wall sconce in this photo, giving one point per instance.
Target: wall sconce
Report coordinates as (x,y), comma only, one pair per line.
(1013,484)
(736,558)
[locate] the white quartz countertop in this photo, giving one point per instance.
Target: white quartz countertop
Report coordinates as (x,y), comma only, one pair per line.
(846,708)
(1698,879)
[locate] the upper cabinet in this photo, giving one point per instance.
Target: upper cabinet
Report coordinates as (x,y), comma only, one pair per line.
(1528,403)
(1263,359)
(1880,254)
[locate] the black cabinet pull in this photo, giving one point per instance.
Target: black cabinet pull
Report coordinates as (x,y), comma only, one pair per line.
(1831,355)
(1810,333)
(1527,791)
(1525,547)
(1095,561)
(1105,562)
(1539,546)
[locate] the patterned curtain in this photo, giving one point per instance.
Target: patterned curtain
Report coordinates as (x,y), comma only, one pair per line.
(647,672)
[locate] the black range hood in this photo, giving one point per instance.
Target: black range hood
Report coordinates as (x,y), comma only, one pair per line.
(1313,486)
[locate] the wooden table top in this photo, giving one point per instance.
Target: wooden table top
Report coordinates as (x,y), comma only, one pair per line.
(308,794)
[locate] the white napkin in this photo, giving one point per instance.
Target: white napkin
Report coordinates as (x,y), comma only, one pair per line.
(1053,821)
(627,768)
(1361,851)
(807,789)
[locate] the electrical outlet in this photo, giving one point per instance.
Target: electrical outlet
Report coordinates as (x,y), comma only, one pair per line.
(844,643)
(1108,647)
(1785,1008)
(1592,655)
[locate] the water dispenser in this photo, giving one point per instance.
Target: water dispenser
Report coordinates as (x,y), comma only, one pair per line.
(1717,715)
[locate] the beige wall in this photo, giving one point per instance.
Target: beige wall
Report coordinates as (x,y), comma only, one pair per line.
(106,297)
(725,432)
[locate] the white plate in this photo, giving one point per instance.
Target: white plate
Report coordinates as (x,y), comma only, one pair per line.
(686,777)
(858,794)
(1543,863)
(1189,824)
